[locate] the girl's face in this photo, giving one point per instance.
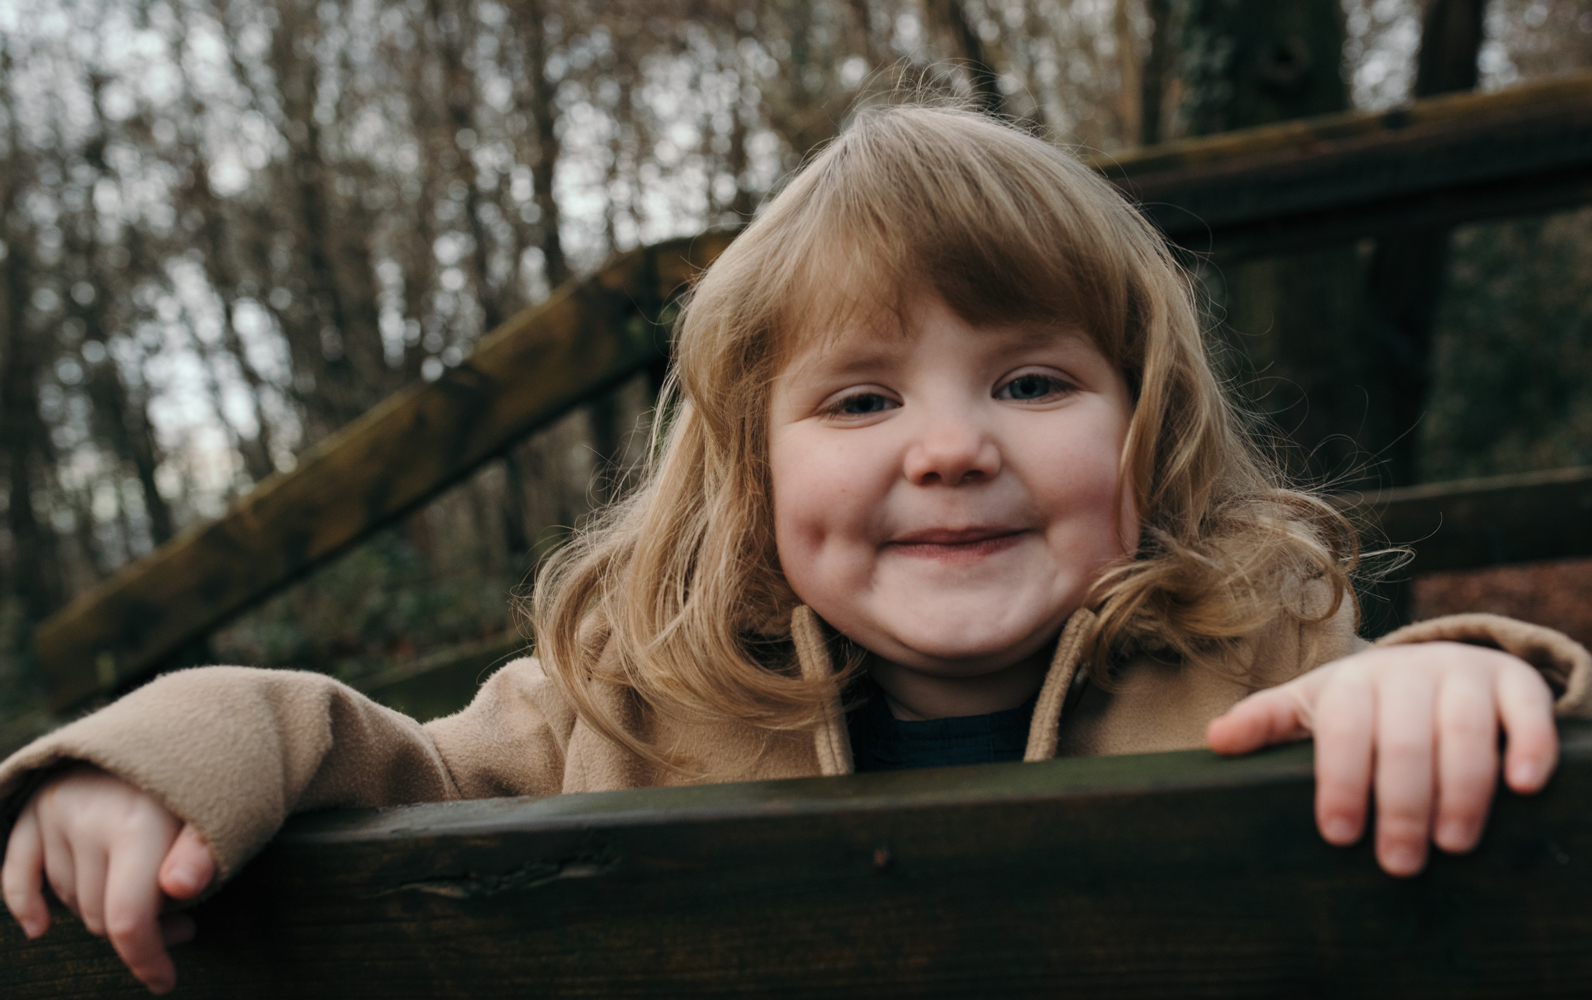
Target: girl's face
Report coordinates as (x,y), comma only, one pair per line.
(946,495)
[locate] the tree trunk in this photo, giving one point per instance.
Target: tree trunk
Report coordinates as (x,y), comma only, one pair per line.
(544,115)
(341,320)
(1253,62)
(1130,74)
(1408,269)
(35,562)
(1157,71)
(970,49)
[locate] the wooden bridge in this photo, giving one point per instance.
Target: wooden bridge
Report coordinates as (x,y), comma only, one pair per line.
(1160,875)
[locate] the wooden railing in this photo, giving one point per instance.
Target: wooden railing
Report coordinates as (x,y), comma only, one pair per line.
(1313,181)
(1161,875)
(1487,522)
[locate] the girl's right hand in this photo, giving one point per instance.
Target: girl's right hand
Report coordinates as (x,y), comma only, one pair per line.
(111,853)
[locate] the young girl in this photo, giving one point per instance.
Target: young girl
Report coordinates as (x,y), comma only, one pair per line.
(944,477)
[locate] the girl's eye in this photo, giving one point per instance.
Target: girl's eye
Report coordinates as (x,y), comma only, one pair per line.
(1030,387)
(862,404)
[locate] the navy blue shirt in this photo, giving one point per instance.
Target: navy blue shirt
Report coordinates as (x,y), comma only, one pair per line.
(881,742)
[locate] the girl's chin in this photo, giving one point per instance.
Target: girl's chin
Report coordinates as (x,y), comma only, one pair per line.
(952,658)
(960,634)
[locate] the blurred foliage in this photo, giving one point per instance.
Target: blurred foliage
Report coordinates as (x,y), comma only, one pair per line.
(1512,356)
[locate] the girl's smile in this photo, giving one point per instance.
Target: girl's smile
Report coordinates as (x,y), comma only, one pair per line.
(945,495)
(951,545)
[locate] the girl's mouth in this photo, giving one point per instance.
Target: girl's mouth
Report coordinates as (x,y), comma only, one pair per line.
(955,544)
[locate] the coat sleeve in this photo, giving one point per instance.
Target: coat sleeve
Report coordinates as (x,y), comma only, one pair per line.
(1564,663)
(235,750)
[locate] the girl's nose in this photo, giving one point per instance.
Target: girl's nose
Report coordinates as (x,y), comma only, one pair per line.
(950,453)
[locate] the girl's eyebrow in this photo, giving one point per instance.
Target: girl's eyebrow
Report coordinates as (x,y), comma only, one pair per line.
(1026,335)
(850,353)
(860,351)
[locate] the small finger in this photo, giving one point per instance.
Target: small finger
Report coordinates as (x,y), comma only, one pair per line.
(188,866)
(1277,715)
(1467,759)
(1525,705)
(1344,727)
(22,878)
(1404,738)
(60,867)
(132,904)
(89,862)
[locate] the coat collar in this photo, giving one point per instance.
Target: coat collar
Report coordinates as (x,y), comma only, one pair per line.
(832,741)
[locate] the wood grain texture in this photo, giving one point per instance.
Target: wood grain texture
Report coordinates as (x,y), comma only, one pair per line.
(1314,181)
(1473,523)
(1166,875)
(587,336)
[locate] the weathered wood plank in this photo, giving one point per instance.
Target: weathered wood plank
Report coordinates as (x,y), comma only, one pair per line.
(586,337)
(1167,875)
(1473,523)
(1303,183)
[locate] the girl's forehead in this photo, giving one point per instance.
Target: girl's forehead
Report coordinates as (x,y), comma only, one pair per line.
(842,321)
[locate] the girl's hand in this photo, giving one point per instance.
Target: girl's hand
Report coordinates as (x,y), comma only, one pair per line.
(1424,718)
(109,852)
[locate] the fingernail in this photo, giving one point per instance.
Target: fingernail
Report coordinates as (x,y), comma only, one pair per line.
(1401,860)
(1453,834)
(1523,774)
(184,876)
(32,928)
(1339,830)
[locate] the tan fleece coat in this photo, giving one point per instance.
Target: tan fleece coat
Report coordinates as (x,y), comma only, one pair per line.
(235,750)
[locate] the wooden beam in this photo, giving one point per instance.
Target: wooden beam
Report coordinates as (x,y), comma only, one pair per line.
(1473,523)
(586,337)
(1164,875)
(1297,184)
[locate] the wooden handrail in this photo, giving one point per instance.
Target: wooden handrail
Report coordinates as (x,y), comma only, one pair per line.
(1312,181)
(1333,177)
(1471,523)
(586,337)
(1162,875)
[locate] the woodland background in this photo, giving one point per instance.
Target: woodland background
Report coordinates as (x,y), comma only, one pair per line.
(228,227)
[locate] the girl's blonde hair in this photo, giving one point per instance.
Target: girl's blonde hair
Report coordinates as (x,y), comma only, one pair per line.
(676,592)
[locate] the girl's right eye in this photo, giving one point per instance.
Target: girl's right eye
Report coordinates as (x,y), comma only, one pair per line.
(861,404)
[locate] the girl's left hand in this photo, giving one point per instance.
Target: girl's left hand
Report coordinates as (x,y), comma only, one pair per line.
(1424,717)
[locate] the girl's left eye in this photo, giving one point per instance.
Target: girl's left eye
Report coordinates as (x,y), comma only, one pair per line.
(862,404)
(1031,386)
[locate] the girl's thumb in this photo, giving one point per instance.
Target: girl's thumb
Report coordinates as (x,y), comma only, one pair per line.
(189,865)
(1260,720)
